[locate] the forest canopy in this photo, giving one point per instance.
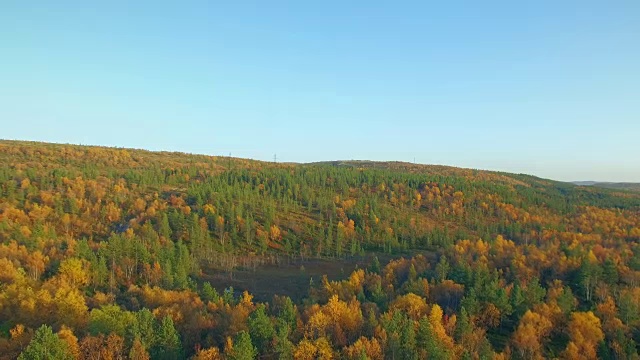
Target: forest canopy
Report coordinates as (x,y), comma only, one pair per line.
(110,253)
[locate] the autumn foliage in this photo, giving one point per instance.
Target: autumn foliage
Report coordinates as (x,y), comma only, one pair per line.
(104,254)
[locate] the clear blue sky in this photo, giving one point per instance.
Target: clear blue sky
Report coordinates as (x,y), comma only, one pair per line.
(550,88)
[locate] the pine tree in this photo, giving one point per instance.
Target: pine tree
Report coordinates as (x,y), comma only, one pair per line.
(426,341)
(463,325)
(283,347)
(610,272)
(209,293)
(143,329)
(442,268)
(287,313)
(163,227)
(261,329)
(167,344)
(566,301)
(517,300)
(242,349)
(46,345)
(375,266)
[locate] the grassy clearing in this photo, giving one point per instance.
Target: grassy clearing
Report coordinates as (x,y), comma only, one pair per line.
(291,277)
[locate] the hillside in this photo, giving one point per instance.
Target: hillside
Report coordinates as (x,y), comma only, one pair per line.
(611,185)
(111,242)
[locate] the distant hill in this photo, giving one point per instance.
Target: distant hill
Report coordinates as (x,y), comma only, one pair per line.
(610,185)
(584,183)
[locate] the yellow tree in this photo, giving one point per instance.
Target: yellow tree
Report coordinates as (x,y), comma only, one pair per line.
(66,335)
(317,350)
(208,354)
(585,332)
(527,338)
(435,319)
(369,347)
(415,306)
(72,271)
(305,350)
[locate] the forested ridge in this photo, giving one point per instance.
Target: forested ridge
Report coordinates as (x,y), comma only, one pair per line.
(106,253)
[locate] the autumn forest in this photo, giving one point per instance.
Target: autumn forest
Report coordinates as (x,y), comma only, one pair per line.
(110,253)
